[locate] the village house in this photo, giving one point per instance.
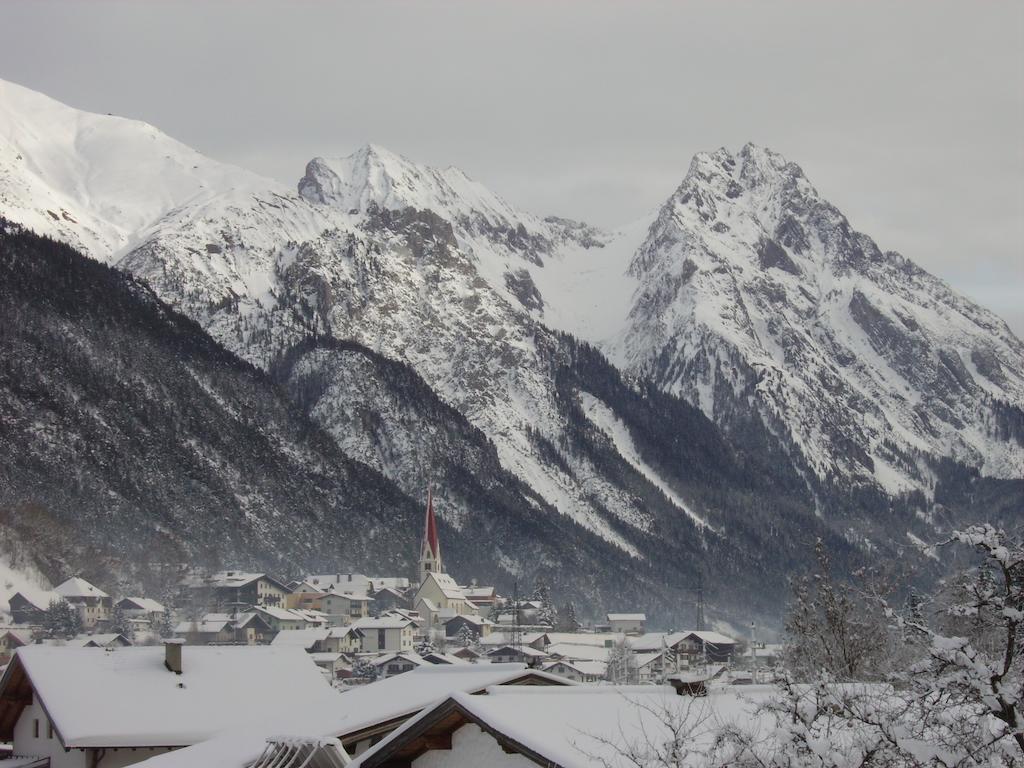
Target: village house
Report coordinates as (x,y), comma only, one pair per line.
(389,599)
(133,703)
(226,629)
(140,608)
(342,583)
(311,639)
(515,727)
(346,640)
(29,610)
(332,664)
(468,654)
(283,620)
(523,654)
(238,590)
(627,623)
(389,634)
(391,664)
(484,598)
(11,640)
(304,598)
(91,602)
(578,671)
(478,625)
(341,608)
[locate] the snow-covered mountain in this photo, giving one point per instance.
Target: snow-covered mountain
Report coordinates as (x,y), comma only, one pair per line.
(755,292)
(745,295)
(95,180)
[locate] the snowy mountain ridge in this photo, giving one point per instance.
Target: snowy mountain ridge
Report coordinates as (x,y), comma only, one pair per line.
(756,291)
(745,294)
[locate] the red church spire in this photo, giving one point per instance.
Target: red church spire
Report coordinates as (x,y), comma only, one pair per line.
(430,529)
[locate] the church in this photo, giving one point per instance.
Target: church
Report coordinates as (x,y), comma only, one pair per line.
(439,598)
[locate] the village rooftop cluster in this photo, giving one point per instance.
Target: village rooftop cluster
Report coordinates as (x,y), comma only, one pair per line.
(251,636)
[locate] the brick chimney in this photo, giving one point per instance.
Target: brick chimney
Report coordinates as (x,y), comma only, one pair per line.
(172,654)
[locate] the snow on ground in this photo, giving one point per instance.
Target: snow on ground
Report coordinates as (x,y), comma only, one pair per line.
(587,291)
(604,419)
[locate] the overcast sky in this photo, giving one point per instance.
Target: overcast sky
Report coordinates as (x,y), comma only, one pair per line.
(908,116)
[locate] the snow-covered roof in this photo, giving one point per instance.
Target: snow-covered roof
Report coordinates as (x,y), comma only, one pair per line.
(127,697)
(643,659)
(78,587)
(340,632)
(340,582)
(397,583)
(352,597)
(301,638)
(655,641)
(449,587)
(581,726)
(525,650)
(99,640)
(146,604)
(712,638)
(600,639)
(23,636)
(578,652)
(627,617)
(413,658)
(382,622)
(204,627)
(593,668)
(325,657)
(436,657)
(472,619)
(370,705)
(281,614)
(478,592)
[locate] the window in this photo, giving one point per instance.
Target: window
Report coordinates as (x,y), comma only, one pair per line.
(35,728)
(382,638)
(49,730)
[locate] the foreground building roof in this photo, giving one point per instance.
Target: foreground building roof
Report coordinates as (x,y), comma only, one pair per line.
(128,697)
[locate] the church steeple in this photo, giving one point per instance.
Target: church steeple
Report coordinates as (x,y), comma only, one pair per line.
(430,551)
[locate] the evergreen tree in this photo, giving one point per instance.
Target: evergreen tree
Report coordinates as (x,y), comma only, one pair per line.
(121,624)
(62,620)
(567,621)
(546,613)
(466,637)
(364,670)
(622,669)
(164,626)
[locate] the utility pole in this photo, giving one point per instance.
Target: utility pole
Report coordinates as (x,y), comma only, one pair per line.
(700,601)
(517,631)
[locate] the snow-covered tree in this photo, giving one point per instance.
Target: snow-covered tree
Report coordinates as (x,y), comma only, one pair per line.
(567,621)
(496,609)
(425,646)
(546,613)
(120,623)
(364,670)
(164,626)
(958,706)
(466,637)
(61,620)
(622,668)
(833,627)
